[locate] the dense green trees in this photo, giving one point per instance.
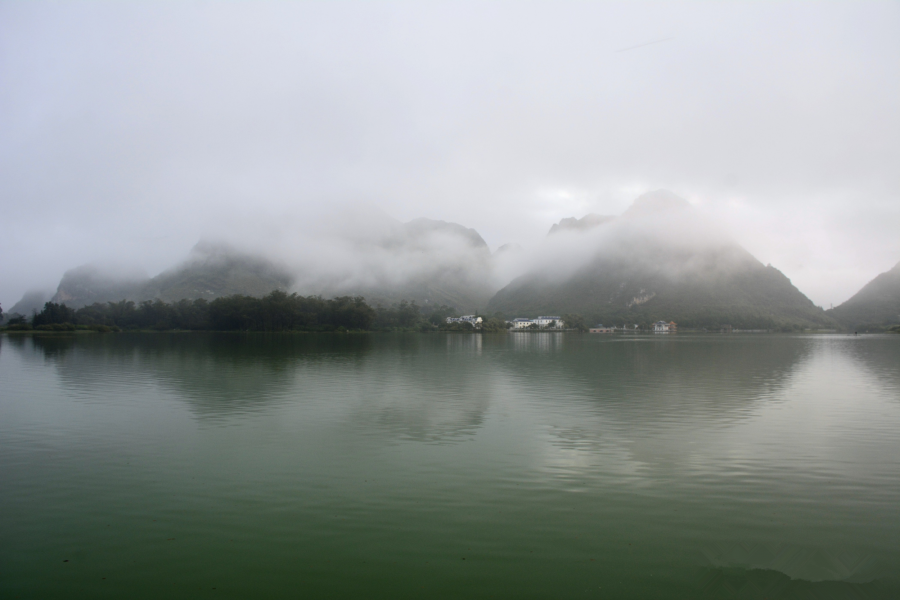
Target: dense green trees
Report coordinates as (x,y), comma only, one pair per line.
(277,311)
(405,315)
(576,322)
(53,314)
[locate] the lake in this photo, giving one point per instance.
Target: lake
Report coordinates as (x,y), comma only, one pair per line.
(521,465)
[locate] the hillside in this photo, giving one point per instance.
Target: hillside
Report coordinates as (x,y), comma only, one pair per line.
(875,306)
(659,260)
(30,302)
(211,271)
(215,270)
(427,261)
(89,284)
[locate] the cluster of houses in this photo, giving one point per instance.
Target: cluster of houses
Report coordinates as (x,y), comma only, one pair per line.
(551,322)
(538,323)
(473,320)
(658,327)
(543,322)
(554,322)
(663,327)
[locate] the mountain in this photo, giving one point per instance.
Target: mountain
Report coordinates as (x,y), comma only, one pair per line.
(88,284)
(657,261)
(215,270)
(583,224)
(367,254)
(30,302)
(876,305)
(428,261)
(211,271)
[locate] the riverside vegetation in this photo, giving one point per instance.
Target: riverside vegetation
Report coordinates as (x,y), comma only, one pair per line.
(277,311)
(659,260)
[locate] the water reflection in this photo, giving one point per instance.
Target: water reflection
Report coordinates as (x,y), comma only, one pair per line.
(874,354)
(537,341)
(638,407)
(684,445)
(587,389)
(215,374)
(426,388)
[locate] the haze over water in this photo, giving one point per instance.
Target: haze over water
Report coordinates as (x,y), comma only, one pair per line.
(542,465)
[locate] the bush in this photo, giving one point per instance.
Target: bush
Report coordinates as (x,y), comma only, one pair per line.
(56,327)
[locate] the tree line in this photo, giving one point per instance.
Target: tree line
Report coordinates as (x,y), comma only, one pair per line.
(277,311)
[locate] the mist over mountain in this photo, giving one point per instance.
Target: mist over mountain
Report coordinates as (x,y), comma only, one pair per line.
(583,224)
(88,284)
(366,253)
(427,261)
(215,270)
(31,301)
(210,271)
(876,305)
(658,260)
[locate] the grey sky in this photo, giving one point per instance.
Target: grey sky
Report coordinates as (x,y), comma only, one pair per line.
(129,131)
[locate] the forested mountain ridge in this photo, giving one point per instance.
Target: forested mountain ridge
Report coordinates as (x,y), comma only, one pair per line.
(874,306)
(212,271)
(427,261)
(30,302)
(659,261)
(434,263)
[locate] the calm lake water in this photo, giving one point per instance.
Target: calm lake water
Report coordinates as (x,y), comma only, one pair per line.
(547,465)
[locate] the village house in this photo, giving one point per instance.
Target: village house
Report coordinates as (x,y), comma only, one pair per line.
(472,320)
(601,329)
(663,327)
(549,322)
(540,322)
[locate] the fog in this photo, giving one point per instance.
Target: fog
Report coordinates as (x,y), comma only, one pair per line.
(129,132)
(659,232)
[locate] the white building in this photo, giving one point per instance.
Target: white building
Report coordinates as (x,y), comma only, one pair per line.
(663,327)
(472,320)
(521,323)
(541,322)
(549,322)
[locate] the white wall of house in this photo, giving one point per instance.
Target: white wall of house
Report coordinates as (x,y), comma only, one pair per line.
(542,322)
(476,321)
(547,321)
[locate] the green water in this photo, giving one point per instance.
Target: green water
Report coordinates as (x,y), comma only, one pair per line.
(547,465)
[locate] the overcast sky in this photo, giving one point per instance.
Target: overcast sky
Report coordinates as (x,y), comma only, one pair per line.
(128,131)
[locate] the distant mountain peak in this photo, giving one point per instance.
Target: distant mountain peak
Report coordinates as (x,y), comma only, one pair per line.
(509,248)
(877,304)
(660,260)
(656,202)
(423,226)
(589,221)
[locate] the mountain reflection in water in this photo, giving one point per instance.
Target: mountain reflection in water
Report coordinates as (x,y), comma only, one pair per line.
(735,462)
